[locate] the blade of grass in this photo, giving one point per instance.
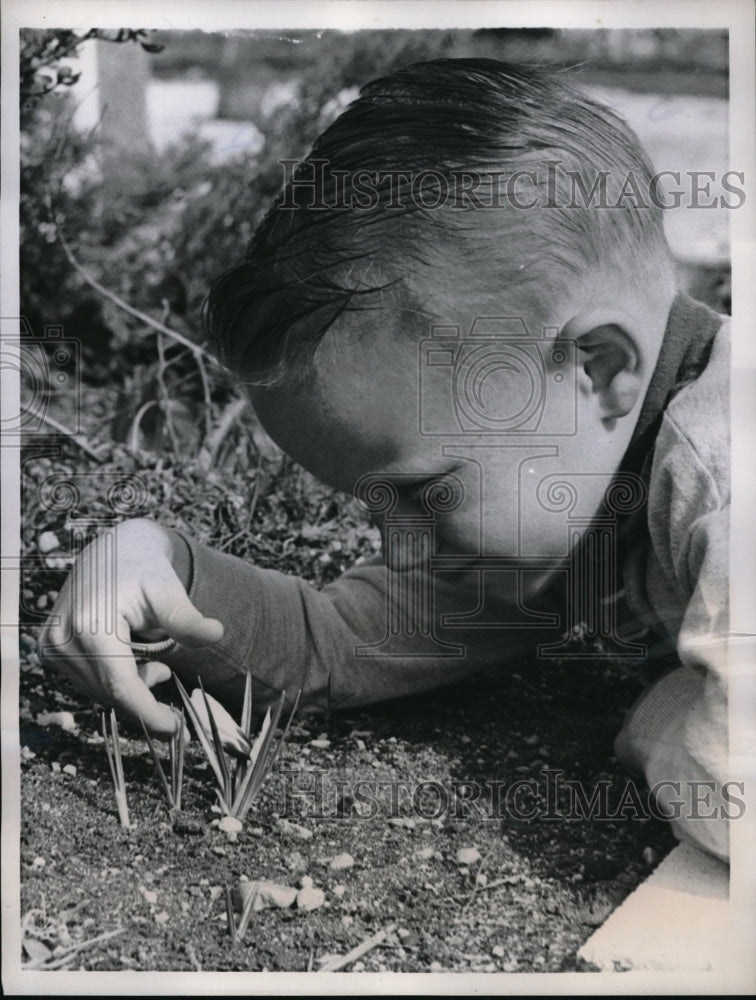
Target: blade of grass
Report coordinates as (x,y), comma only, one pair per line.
(178,750)
(167,792)
(113,751)
(218,746)
(202,737)
(246,716)
(255,776)
(230,916)
(255,771)
(247,913)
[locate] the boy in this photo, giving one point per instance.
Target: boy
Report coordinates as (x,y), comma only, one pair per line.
(463,310)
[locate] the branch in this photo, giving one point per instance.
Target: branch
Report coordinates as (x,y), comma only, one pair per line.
(196,349)
(78,439)
(362,949)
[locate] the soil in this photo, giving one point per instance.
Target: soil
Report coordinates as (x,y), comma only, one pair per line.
(541,885)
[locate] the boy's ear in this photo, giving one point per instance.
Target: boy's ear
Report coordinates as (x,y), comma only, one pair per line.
(610,358)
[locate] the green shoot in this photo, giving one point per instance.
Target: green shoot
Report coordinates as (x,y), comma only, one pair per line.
(237,931)
(113,750)
(240,774)
(177,747)
(246,913)
(230,917)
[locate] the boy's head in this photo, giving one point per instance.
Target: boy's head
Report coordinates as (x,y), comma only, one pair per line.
(449,191)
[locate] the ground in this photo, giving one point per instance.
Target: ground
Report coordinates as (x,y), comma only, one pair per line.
(537,892)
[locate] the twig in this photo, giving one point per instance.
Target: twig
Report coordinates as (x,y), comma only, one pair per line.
(62,959)
(78,439)
(214,440)
(196,349)
(362,949)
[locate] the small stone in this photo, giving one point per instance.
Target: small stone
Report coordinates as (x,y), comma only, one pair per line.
(466,739)
(281,896)
(161,918)
(510,966)
(295,861)
(532,741)
(231,826)
(425,855)
(347,920)
(310,898)
(305,882)
(293,830)
(341,861)
(27,754)
(38,863)
(497,951)
(360,744)
(481,879)
(148,895)
(64,720)
(320,744)
(48,541)
(436,967)
(339,890)
(468,855)
(650,856)
(70,769)
(267,895)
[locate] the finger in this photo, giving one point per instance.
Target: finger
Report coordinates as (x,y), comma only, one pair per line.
(153,673)
(175,613)
(112,676)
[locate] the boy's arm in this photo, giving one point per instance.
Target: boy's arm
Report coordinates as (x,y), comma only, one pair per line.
(290,635)
(677,735)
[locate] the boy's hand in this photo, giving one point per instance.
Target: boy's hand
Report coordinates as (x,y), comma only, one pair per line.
(137,585)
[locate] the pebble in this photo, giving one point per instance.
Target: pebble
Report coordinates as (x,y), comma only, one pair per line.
(360,744)
(148,895)
(305,882)
(70,769)
(38,863)
(27,754)
(425,854)
(310,898)
(341,861)
(436,967)
(64,720)
(339,890)
(268,894)
(497,951)
(320,744)
(293,830)
(532,741)
(481,879)
(468,855)
(231,826)
(161,918)
(48,541)
(650,856)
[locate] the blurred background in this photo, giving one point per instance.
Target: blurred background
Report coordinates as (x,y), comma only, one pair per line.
(163,154)
(147,160)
